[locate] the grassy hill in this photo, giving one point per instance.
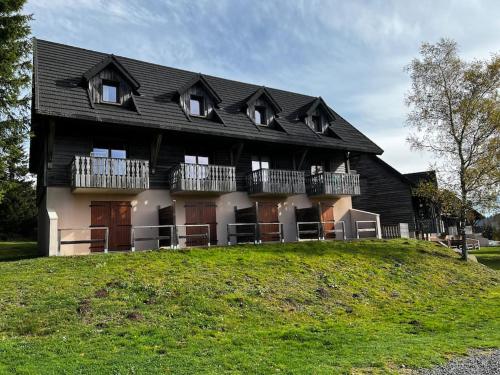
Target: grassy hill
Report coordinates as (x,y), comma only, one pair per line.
(369,306)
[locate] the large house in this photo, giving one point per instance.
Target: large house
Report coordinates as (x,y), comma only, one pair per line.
(122,146)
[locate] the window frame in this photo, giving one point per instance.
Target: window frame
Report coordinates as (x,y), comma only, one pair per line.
(260,159)
(201,105)
(114,84)
(197,159)
(262,113)
(314,168)
(317,123)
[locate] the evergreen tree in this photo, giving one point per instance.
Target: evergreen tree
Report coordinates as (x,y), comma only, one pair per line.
(15,79)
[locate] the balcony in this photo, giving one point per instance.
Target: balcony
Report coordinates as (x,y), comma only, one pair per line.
(90,174)
(275,182)
(195,179)
(329,184)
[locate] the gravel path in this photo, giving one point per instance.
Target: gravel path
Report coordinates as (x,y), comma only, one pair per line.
(476,363)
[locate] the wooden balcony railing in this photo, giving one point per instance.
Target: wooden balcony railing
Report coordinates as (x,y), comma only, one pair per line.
(333,184)
(202,178)
(276,181)
(109,173)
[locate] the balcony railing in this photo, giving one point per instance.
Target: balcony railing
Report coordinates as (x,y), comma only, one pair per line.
(333,184)
(202,178)
(276,182)
(129,175)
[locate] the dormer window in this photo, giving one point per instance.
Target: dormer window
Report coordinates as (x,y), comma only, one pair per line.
(260,116)
(196,105)
(110,92)
(318,124)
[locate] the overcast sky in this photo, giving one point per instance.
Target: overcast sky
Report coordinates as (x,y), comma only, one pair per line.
(352,53)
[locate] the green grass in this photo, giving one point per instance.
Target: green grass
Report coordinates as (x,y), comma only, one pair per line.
(322,308)
(489,256)
(17,250)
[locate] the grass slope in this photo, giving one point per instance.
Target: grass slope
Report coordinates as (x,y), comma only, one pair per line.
(320,307)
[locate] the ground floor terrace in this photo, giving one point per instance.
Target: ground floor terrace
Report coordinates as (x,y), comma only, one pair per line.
(77,224)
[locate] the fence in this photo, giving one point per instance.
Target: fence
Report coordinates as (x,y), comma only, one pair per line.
(400,230)
(104,240)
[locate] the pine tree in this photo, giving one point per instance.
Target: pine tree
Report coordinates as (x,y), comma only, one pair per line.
(15,79)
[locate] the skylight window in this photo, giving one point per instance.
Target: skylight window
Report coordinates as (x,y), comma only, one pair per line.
(110,92)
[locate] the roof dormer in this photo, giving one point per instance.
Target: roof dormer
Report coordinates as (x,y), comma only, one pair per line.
(262,108)
(317,115)
(197,98)
(108,82)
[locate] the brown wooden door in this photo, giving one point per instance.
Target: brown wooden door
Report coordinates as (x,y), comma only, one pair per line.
(116,215)
(327,217)
(201,213)
(268,213)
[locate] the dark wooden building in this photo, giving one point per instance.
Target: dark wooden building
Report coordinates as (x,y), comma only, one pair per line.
(121,146)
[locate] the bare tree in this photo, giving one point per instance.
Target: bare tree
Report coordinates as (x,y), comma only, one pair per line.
(455,114)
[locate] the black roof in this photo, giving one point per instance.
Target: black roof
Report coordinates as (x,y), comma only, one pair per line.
(417,177)
(59,92)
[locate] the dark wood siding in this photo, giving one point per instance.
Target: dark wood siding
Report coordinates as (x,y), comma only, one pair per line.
(110,74)
(383,191)
(78,138)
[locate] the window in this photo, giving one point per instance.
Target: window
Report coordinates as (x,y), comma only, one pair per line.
(316,169)
(317,124)
(108,161)
(260,162)
(260,116)
(110,92)
(196,105)
(196,159)
(195,167)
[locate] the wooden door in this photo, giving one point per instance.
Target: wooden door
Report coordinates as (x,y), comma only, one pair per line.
(268,213)
(201,213)
(100,216)
(116,215)
(327,217)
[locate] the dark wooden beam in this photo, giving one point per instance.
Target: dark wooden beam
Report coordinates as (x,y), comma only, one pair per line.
(51,131)
(302,158)
(155,151)
(236,151)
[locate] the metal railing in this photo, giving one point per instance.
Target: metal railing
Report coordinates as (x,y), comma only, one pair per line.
(261,233)
(237,234)
(366,230)
(188,236)
(400,230)
(308,230)
(320,230)
(202,178)
(334,230)
(276,181)
(109,173)
(105,240)
(330,183)
(158,238)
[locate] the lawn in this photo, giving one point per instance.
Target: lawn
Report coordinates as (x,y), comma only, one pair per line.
(489,256)
(301,308)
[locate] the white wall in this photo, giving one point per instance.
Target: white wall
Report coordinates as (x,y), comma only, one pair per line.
(73,211)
